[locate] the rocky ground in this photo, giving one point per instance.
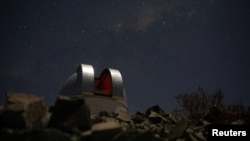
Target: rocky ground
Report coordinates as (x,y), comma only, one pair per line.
(25,117)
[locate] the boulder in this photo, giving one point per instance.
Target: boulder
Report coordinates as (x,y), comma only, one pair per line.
(105,131)
(124,116)
(178,131)
(22,110)
(138,117)
(70,112)
(155,108)
(157,118)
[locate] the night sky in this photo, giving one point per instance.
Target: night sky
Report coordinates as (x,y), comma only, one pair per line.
(161,47)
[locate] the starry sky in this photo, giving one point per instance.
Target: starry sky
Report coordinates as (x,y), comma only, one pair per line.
(161,47)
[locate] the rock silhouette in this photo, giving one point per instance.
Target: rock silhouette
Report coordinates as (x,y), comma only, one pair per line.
(25,117)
